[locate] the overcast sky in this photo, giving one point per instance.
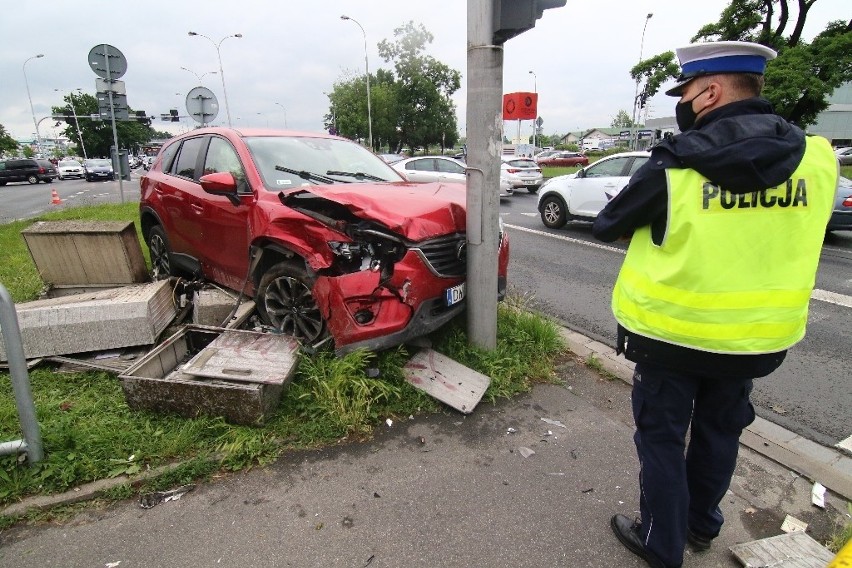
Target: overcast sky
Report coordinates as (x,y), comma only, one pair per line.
(291,53)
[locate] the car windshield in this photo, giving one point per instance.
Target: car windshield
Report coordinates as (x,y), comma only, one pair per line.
(98,163)
(290,161)
(69,163)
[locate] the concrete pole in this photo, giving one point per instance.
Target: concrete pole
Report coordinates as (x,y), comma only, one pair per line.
(484,143)
(117,162)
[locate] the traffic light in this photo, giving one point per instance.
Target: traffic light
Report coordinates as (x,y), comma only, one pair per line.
(514,17)
(141,118)
(174,114)
(69,116)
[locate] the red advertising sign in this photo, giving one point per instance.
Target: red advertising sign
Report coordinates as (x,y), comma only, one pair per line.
(520,106)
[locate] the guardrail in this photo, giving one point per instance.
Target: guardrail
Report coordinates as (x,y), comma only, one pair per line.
(31,442)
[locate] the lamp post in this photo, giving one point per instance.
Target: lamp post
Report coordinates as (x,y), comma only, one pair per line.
(636,92)
(32,110)
(200,77)
(367,66)
(535,90)
(221,71)
(285,114)
(76,120)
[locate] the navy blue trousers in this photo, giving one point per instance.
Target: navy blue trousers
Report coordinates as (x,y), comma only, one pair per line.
(682,487)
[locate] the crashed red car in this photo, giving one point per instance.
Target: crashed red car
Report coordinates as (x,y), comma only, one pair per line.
(329,239)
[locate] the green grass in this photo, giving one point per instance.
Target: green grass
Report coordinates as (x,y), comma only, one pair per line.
(89,433)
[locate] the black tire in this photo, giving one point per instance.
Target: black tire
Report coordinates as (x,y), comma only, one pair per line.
(286,302)
(32,179)
(158,246)
(48,180)
(532,189)
(553,212)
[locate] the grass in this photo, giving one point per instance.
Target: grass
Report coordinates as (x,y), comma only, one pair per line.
(89,433)
(843,534)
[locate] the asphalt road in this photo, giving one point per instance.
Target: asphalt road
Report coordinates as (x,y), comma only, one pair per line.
(569,275)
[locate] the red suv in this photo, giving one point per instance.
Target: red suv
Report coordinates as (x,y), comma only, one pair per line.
(328,238)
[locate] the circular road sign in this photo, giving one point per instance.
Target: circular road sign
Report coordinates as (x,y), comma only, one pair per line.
(201,104)
(103,57)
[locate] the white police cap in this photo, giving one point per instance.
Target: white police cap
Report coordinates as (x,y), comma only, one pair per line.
(719,57)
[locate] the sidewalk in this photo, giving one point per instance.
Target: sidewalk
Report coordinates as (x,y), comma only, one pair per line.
(433,491)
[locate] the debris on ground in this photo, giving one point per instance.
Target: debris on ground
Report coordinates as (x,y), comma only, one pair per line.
(793,550)
(818,495)
(149,500)
(525,452)
(792,524)
(554,422)
(446,380)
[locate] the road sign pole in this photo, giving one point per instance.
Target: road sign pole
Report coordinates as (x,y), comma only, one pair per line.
(114,130)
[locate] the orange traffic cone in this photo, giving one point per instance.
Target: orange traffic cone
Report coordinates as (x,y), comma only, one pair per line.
(54,198)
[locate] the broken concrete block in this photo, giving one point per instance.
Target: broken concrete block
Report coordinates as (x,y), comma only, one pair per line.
(446,380)
(86,252)
(97,321)
(793,550)
(212,306)
(200,370)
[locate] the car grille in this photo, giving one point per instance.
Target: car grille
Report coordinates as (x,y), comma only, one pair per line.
(446,256)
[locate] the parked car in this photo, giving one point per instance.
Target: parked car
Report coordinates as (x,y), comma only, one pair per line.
(330,241)
(521,172)
(841,217)
(581,196)
(443,169)
(844,156)
(70,169)
(562,159)
(96,168)
(31,170)
(544,154)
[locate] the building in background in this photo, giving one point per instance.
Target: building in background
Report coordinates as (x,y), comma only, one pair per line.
(835,123)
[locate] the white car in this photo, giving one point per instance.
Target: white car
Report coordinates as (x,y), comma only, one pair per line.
(581,196)
(521,172)
(70,168)
(440,168)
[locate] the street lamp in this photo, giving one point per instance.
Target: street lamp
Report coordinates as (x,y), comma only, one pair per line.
(535,90)
(636,93)
(76,120)
(32,110)
(200,77)
(285,114)
(221,72)
(367,65)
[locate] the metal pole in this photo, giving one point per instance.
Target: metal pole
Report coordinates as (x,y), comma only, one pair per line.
(32,110)
(285,114)
(20,383)
(484,143)
(535,90)
(114,130)
(634,138)
(221,71)
(76,121)
(367,66)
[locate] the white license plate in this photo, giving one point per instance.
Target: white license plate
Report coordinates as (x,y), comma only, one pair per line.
(455,294)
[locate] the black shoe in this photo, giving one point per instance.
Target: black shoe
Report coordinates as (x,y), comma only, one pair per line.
(627,532)
(698,542)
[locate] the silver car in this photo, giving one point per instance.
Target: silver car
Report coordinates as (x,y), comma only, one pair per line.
(440,168)
(521,172)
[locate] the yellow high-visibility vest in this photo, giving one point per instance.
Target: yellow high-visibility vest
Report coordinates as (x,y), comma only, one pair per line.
(734,272)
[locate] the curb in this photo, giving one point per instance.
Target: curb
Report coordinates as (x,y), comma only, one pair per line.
(809,459)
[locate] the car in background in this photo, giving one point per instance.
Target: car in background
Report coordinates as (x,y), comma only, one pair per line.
(544,154)
(521,172)
(844,156)
(98,168)
(581,196)
(70,169)
(335,247)
(563,159)
(391,158)
(441,169)
(841,217)
(30,170)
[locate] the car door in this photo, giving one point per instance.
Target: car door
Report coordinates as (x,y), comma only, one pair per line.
(421,170)
(225,247)
(450,170)
(589,192)
(181,196)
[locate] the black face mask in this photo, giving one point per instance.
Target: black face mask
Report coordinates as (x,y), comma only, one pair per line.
(684,114)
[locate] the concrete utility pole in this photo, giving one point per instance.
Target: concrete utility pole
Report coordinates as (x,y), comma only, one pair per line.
(484,144)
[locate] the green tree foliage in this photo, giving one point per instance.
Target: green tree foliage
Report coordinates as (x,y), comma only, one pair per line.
(622,120)
(800,80)
(411,105)
(97,134)
(7,143)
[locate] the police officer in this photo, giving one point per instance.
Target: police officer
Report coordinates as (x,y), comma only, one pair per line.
(727,221)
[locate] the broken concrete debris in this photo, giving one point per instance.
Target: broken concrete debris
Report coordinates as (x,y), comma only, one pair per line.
(446,380)
(793,550)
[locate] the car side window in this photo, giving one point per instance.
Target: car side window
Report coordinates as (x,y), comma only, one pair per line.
(167,160)
(637,163)
(188,157)
(221,157)
(418,165)
(449,167)
(606,168)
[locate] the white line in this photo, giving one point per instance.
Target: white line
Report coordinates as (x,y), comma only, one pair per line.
(845,444)
(821,295)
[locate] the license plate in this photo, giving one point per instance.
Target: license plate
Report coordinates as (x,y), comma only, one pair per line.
(455,294)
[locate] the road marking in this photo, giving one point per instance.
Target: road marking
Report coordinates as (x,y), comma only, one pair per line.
(817,294)
(845,444)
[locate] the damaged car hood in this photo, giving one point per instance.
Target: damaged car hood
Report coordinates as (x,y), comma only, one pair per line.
(415,211)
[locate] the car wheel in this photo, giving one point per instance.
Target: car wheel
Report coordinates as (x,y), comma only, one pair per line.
(286,302)
(553,213)
(158,245)
(32,179)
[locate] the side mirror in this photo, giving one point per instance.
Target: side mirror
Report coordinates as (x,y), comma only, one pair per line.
(221,183)
(581,173)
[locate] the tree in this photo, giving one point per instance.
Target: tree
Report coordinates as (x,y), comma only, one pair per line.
(622,120)
(7,143)
(799,80)
(97,134)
